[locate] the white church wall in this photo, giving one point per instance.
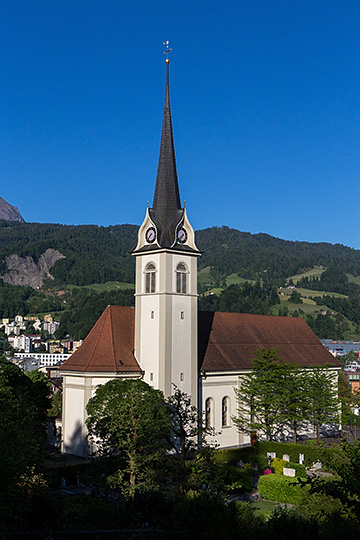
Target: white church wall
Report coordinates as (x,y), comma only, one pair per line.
(217,387)
(77,390)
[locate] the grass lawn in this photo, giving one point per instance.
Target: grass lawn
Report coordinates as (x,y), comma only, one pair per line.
(353,279)
(316,271)
(204,275)
(235,279)
(264,508)
(108,286)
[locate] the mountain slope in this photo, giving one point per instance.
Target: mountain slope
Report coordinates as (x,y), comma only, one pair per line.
(11,213)
(95,254)
(254,256)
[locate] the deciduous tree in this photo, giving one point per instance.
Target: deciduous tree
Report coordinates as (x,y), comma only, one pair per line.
(130,419)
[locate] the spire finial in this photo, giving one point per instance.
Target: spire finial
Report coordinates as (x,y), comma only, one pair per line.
(167,50)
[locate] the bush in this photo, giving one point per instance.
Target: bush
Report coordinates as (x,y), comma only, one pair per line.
(279,465)
(236,479)
(289,524)
(322,506)
(300,470)
(275,487)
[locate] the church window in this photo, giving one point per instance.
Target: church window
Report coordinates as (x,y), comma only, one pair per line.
(209,413)
(181,315)
(225,412)
(152,314)
(181,278)
(150,278)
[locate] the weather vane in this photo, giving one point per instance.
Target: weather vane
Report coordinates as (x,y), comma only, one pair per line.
(166,43)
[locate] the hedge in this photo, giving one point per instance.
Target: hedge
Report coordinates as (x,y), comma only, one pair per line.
(311,453)
(283,489)
(258,453)
(300,470)
(231,456)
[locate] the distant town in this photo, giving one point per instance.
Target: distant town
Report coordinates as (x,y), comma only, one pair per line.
(31,344)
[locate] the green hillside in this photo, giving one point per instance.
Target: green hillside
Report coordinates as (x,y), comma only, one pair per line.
(238,271)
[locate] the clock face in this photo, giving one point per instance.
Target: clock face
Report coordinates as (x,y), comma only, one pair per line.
(150,235)
(182,235)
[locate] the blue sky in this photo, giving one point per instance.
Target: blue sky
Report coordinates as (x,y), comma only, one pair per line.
(265,103)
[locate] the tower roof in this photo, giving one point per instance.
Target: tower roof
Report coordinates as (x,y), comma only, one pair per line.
(166,211)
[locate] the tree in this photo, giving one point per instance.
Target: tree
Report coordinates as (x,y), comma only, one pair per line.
(22,435)
(323,403)
(260,394)
(294,398)
(129,418)
(295,298)
(188,429)
(41,389)
(193,460)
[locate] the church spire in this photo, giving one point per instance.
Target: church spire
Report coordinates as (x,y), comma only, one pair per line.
(166,211)
(166,225)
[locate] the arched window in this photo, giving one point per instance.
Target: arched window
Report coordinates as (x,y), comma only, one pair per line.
(181,278)
(225,412)
(150,278)
(209,413)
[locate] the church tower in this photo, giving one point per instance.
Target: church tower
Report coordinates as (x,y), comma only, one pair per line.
(166,280)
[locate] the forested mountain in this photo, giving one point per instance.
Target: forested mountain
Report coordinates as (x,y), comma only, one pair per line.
(92,254)
(98,254)
(254,256)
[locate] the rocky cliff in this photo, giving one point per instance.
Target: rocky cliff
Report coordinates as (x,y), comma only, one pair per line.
(25,271)
(11,213)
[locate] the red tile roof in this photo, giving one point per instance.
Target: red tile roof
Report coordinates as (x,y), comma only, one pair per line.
(109,345)
(227,341)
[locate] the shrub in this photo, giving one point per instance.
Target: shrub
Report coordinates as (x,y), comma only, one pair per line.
(237,480)
(322,506)
(289,524)
(278,465)
(275,487)
(300,470)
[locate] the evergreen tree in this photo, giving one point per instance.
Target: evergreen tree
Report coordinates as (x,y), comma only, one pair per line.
(323,403)
(260,395)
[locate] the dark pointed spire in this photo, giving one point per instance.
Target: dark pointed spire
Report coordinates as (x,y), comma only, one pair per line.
(166,211)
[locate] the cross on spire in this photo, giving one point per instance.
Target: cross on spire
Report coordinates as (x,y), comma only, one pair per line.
(167,50)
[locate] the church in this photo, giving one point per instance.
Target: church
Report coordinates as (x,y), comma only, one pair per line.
(165,340)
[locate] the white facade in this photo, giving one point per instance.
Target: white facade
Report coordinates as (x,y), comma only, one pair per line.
(219,404)
(46,359)
(78,388)
(22,342)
